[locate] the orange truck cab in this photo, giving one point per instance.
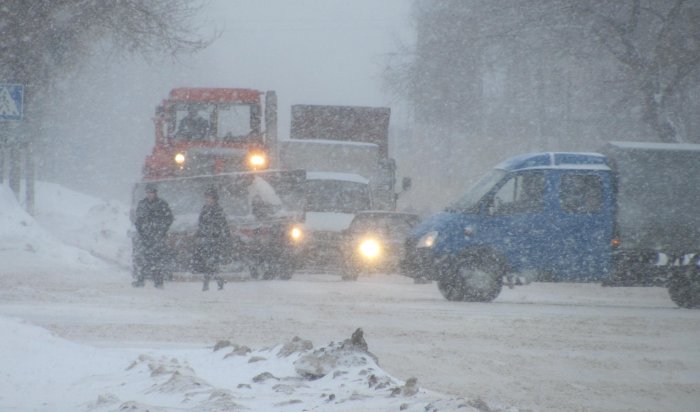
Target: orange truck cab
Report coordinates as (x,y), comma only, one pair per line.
(209,131)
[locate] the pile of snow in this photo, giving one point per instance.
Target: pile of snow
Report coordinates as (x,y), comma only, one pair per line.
(26,245)
(65,376)
(264,190)
(94,225)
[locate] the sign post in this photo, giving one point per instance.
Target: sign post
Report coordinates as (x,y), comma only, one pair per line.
(12,112)
(11,101)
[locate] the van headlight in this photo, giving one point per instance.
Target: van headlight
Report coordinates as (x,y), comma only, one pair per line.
(428,239)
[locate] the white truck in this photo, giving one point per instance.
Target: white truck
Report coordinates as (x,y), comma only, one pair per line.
(344,151)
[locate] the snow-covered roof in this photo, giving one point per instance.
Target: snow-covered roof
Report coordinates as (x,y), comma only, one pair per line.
(260,187)
(656,146)
(330,142)
(555,160)
(350,177)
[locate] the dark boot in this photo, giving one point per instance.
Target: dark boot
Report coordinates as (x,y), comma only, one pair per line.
(205,285)
(158,281)
(138,283)
(220,283)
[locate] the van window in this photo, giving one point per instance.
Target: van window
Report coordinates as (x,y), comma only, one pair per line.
(470,200)
(581,193)
(522,193)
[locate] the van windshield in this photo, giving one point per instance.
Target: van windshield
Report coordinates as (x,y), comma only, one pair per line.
(470,200)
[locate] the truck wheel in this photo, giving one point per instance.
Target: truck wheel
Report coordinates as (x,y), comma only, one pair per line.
(284,271)
(422,280)
(268,271)
(255,271)
(684,289)
(476,277)
(349,273)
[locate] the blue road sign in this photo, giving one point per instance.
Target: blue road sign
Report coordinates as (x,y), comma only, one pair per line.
(11,101)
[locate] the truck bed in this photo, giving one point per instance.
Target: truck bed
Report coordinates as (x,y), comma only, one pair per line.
(658,195)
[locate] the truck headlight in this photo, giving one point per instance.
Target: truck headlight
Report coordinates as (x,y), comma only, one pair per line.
(369,248)
(257,160)
(180,159)
(296,234)
(428,239)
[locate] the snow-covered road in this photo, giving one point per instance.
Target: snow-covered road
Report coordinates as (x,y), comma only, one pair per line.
(541,347)
(548,347)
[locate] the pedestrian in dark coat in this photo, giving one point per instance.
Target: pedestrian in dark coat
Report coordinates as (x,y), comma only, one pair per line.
(213,240)
(152,221)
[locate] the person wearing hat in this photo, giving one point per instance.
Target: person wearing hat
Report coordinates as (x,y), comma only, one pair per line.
(153,219)
(213,240)
(193,125)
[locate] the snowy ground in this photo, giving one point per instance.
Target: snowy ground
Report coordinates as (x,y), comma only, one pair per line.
(74,335)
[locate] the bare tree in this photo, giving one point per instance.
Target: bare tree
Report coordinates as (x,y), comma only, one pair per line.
(45,40)
(657,43)
(640,56)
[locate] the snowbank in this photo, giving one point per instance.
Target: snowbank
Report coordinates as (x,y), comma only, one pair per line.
(26,246)
(65,376)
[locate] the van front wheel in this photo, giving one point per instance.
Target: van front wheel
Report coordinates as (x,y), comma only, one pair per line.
(475,277)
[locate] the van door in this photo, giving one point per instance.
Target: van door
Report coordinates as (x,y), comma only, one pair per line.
(584,220)
(518,221)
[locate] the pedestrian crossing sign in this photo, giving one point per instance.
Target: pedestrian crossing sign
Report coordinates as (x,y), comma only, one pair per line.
(11,100)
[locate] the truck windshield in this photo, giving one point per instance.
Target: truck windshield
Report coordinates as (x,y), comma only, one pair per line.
(336,196)
(470,200)
(234,122)
(220,122)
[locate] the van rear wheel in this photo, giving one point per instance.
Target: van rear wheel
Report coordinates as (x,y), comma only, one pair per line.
(684,288)
(475,277)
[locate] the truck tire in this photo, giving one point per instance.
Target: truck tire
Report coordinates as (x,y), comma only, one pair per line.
(284,271)
(684,288)
(349,272)
(352,277)
(474,277)
(269,271)
(259,271)
(253,271)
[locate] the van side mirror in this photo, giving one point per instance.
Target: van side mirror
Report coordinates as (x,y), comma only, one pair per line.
(489,205)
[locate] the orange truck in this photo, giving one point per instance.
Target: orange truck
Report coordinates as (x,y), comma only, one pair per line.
(207,131)
(221,137)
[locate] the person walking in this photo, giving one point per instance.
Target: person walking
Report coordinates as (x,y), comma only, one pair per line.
(152,221)
(212,241)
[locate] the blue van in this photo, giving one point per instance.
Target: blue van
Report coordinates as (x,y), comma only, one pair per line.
(553,217)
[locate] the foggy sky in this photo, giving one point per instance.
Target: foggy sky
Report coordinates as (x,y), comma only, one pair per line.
(308,51)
